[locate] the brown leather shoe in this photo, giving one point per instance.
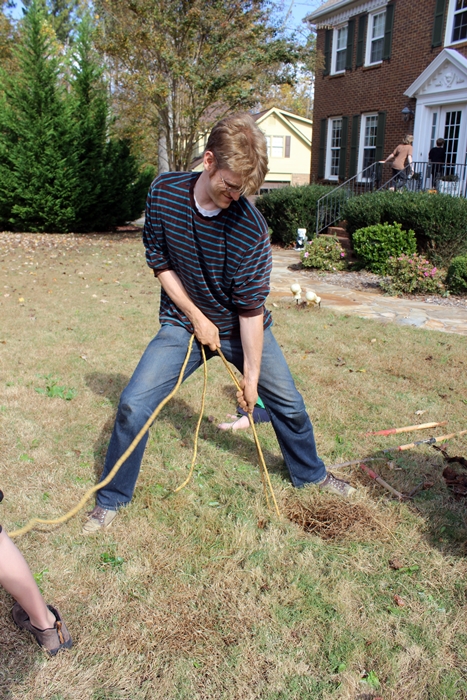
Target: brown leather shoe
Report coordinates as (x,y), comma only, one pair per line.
(52,639)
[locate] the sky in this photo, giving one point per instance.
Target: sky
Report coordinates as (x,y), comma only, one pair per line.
(298,9)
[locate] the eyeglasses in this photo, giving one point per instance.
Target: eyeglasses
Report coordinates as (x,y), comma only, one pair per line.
(234,189)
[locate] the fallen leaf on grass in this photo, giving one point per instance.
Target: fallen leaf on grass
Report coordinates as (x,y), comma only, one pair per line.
(400,602)
(395,564)
(419,413)
(340,362)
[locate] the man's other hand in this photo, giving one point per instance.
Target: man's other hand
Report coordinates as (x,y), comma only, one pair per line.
(248,395)
(206,332)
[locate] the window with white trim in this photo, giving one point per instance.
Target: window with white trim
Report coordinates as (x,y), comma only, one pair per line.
(456,24)
(375,37)
(333,148)
(339,49)
(275,145)
(367,149)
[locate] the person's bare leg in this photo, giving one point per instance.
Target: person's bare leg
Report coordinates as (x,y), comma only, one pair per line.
(17,579)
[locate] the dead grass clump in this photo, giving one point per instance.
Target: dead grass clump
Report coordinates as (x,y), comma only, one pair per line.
(333,519)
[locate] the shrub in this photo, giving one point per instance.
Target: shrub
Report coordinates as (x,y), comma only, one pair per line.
(439,221)
(288,208)
(412,274)
(375,244)
(456,279)
(324,253)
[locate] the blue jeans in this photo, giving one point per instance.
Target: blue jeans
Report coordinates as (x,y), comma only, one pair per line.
(155,377)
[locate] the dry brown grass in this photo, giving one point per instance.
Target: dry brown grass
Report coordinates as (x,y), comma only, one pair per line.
(335,519)
(214,598)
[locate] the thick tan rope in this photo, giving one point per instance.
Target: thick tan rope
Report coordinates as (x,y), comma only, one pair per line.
(263,469)
(195,449)
(67,516)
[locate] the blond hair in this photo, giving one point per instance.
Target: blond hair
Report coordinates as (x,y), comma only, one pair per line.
(408,139)
(238,144)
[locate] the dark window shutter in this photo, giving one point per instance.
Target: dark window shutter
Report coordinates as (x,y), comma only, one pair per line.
(438,24)
(388,32)
(380,129)
(327,51)
(350,40)
(362,22)
(343,148)
(322,146)
(354,145)
(287,146)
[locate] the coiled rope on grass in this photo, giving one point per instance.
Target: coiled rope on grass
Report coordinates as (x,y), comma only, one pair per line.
(266,481)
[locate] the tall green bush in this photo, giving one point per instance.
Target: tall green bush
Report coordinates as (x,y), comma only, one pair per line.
(374,245)
(439,221)
(288,208)
(60,169)
(38,160)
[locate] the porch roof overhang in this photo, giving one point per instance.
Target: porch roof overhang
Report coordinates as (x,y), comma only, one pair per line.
(334,12)
(446,73)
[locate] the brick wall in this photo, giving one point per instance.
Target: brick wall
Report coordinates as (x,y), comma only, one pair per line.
(381,87)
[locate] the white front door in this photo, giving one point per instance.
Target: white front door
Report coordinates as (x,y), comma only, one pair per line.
(449,122)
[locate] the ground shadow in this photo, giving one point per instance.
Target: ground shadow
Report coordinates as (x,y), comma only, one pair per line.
(183,419)
(421,477)
(238,443)
(109,386)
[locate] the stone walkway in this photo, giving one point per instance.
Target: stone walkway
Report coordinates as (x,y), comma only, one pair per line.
(406,312)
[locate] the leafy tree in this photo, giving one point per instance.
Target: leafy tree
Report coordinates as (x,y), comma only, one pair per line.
(37,155)
(192,62)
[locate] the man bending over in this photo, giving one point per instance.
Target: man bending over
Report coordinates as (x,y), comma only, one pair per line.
(209,248)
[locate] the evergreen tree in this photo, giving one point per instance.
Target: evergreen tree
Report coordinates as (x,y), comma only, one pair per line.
(38,163)
(59,169)
(110,186)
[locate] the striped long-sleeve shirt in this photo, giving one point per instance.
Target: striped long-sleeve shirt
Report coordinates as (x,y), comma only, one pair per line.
(224,262)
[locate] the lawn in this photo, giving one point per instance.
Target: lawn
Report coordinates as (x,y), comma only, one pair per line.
(206,594)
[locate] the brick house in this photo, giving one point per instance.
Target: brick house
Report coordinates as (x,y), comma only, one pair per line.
(391,67)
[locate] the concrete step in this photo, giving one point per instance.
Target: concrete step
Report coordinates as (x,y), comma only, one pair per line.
(337,231)
(343,240)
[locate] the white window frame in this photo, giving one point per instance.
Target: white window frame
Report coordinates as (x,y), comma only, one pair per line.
(361,145)
(370,38)
(450,25)
(270,145)
(335,50)
(330,148)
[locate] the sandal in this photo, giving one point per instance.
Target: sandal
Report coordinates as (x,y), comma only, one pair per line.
(52,639)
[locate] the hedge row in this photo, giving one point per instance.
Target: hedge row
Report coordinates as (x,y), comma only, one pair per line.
(439,221)
(289,208)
